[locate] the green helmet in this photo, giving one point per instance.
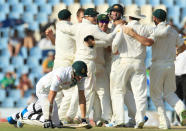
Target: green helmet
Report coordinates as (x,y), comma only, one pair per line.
(118,8)
(80,68)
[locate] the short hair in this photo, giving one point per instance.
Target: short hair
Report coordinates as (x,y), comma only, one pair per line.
(79,11)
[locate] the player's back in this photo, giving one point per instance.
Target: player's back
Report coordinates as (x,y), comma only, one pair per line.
(60,75)
(64,45)
(164,48)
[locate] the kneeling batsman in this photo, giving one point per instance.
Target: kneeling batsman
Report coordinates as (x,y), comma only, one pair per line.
(59,79)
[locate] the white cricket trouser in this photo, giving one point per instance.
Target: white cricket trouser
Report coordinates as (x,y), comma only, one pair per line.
(65,102)
(130,102)
(96,109)
(162,83)
(133,71)
(74,104)
(103,93)
(114,63)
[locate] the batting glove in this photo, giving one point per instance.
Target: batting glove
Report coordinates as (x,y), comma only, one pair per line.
(48,124)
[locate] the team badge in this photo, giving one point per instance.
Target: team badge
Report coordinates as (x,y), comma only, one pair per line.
(83,70)
(116,7)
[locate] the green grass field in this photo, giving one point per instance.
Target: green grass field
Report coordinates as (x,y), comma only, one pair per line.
(7,127)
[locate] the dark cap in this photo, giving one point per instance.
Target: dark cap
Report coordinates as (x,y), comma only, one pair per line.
(103,17)
(80,68)
(64,14)
(90,12)
(160,14)
(117,8)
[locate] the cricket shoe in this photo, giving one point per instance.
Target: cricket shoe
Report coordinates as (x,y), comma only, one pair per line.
(99,123)
(109,125)
(131,123)
(12,121)
(119,125)
(183,118)
(85,125)
(19,124)
(141,124)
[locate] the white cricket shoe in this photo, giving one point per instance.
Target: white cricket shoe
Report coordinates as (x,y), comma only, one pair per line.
(19,124)
(99,123)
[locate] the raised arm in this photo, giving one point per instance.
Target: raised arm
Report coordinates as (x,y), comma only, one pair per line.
(50,34)
(67,28)
(99,35)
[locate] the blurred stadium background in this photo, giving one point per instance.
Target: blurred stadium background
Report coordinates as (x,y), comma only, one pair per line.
(37,15)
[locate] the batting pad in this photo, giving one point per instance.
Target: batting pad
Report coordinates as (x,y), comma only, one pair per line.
(32,122)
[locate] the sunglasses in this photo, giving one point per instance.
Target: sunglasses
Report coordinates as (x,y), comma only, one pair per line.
(106,22)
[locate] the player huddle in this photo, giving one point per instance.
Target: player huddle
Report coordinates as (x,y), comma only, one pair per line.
(99,63)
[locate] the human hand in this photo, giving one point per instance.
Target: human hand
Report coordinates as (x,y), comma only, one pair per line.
(48,124)
(49,33)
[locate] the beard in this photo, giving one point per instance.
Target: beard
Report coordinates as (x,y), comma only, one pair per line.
(155,22)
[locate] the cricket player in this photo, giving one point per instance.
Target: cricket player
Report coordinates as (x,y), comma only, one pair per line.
(46,90)
(116,14)
(70,100)
(88,54)
(162,71)
(102,102)
(61,78)
(65,49)
(131,69)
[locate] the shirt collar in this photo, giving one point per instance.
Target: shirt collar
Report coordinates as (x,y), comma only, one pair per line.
(64,21)
(161,24)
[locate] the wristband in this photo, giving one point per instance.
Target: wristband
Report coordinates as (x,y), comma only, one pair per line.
(83,120)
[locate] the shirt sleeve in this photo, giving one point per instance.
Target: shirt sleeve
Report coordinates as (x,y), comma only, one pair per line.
(117,41)
(81,84)
(99,35)
(161,32)
(68,29)
(100,43)
(56,80)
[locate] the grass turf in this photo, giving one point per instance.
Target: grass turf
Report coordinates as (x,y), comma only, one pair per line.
(8,127)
